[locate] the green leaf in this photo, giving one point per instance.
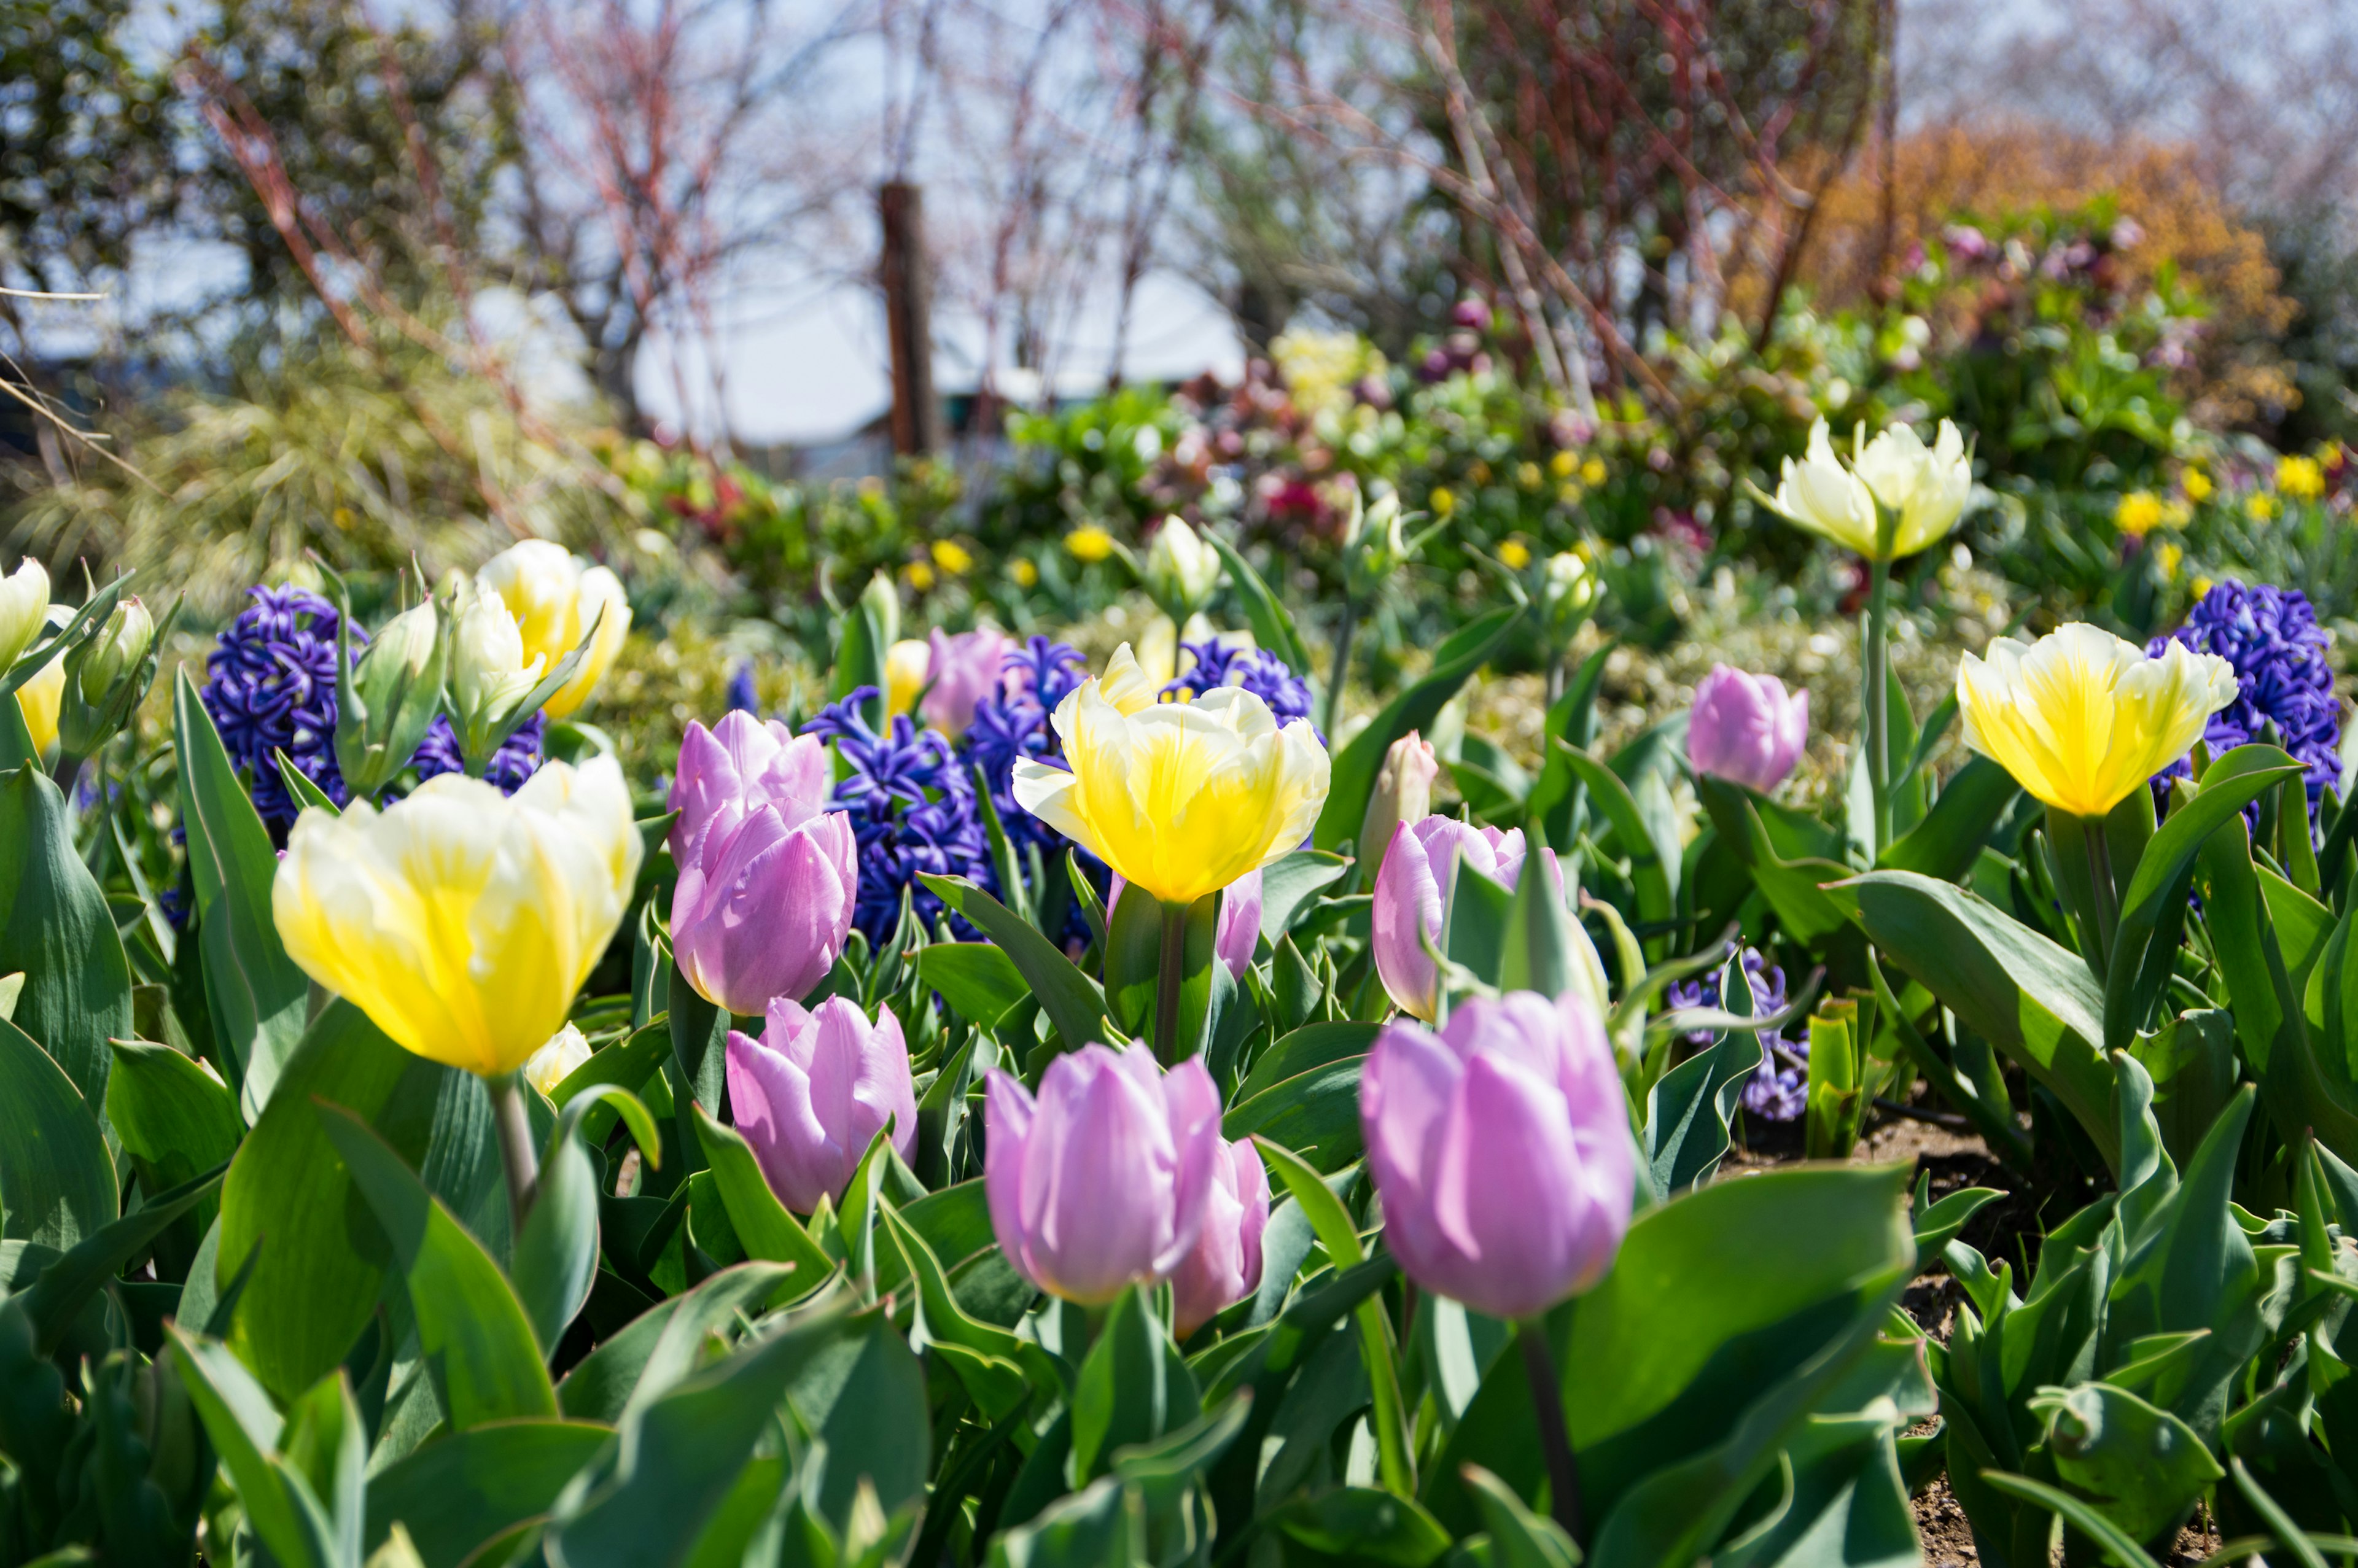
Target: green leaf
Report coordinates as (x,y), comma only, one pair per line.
(1946,845)
(1133,1386)
(472,1329)
(1311,1046)
(1538,954)
(554,1262)
(1133,970)
(1556,796)
(1315,1113)
(175,1119)
(1519,1538)
(67,1284)
(1290,882)
(991,1362)
(244,1429)
(667,1343)
(1074,1004)
(256,995)
(1359,1524)
(1793,860)
(763,1227)
(2142,1468)
(979,980)
(1653,863)
(60,933)
(322,1262)
(2021,992)
(700,1042)
(1352,778)
(469,1487)
(863,1395)
(56,1180)
(2081,1515)
(1272,627)
(1689,1108)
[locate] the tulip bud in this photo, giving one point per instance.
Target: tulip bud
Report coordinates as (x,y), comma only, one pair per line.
(1412,893)
(905,664)
(1182,570)
(106,675)
(767,876)
(1225,1266)
(1500,1149)
(1566,596)
(1403,793)
(1103,1180)
(489,676)
(812,1092)
(388,699)
(24,605)
(964,670)
(1744,728)
(556,599)
(1924,488)
(1374,545)
(555,1061)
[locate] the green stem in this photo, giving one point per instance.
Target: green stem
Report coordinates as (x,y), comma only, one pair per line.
(1167,985)
(517,1156)
(1341,672)
(1878,700)
(1556,1437)
(2100,874)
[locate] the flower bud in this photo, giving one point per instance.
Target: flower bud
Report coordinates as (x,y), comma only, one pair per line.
(106,676)
(556,598)
(1412,894)
(1746,729)
(1374,547)
(389,700)
(1182,570)
(556,1062)
(1403,793)
(24,604)
(1566,596)
(812,1092)
(489,676)
(905,663)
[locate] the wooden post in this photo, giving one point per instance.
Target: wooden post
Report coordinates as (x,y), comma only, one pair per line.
(908,318)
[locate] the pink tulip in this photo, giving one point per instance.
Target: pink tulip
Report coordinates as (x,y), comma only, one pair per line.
(963,670)
(767,875)
(812,1092)
(1413,889)
(1500,1148)
(1746,729)
(1224,1267)
(1238,932)
(1103,1181)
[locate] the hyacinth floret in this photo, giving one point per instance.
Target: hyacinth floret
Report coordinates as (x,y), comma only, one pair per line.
(1780,1087)
(1012,724)
(1256,670)
(517,759)
(2284,677)
(270,686)
(912,810)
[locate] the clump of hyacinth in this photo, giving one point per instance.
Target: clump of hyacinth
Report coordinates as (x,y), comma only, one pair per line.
(912,805)
(270,685)
(2283,676)
(1256,670)
(1780,1087)
(1011,724)
(517,759)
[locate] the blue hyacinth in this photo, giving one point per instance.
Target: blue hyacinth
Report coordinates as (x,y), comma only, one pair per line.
(517,759)
(912,810)
(270,685)
(2271,637)
(1256,670)
(1778,1088)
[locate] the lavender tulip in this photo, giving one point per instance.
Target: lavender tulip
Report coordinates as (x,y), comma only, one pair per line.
(815,1089)
(1413,889)
(1104,1180)
(1238,932)
(1746,728)
(961,672)
(1225,1266)
(767,877)
(1501,1150)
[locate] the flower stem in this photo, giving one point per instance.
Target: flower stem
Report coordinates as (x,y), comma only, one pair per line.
(1556,1438)
(1879,700)
(2100,877)
(1341,672)
(1168,983)
(517,1156)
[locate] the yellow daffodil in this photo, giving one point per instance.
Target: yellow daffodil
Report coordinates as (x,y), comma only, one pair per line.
(2303,478)
(555,1061)
(462,922)
(2080,718)
(1089,543)
(556,598)
(1515,554)
(919,576)
(2196,484)
(1026,575)
(2167,558)
(2137,514)
(1180,799)
(1528,475)
(952,557)
(1442,502)
(907,663)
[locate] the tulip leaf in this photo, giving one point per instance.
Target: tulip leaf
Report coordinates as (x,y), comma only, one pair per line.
(863,1395)
(58,933)
(279,1506)
(257,997)
(471,1330)
(1133,965)
(1134,1388)
(700,1042)
(56,1180)
(1353,776)
(1946,845)
(1791,862)
(554,1262)
(1311,1046)
(1290,882)
(1537,954)
(655,1350)
(1272,626)
(2021,992)
(2081,1515)
(1360,1524)
(457,1493)
(980,982)
(991,1362)
(15,741)
(175,1118)
(1073,1003)
(1557,799)
(763,1227)
(1519,1538)
(66,1285)
(1689,1108)
(1315,1114)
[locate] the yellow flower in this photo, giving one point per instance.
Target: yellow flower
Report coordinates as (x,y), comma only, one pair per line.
(1516,554)
(2303,478)
(2196,484)
(952,557)
(2261,506)
(555,1061)
(908,664)
(1026,575)
(1564,465)
(1090,543)
(1568,493)
(1923,488)
(1180,799)
(39,700)
(2080,718)
(1528,475)
(920,574)
(556,598)
(2168,557)
(462,922)
(1592,473)
(2137,514)
(1442,502)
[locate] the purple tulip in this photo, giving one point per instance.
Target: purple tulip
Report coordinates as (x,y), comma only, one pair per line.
(963,670)
(1746,729)
(1103,1181)
(1501,1150)
(1412,890)
(1238,932)
(767,876)
(1224,1267)
(812,1092)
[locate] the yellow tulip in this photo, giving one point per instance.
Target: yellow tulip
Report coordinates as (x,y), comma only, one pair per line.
(2137,514)
(2080,718)
(1180,799)
(556,1062)
(556,598)
(907,663)
(40,698)
(463,922)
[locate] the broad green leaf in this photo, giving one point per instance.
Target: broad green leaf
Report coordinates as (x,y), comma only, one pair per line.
(1133,1388)
(1653,864)
(245,1430)
(255,994)
(554,1262)
(2085,1515)
(763,1227)
(979,980)
(1950,838)
(471,1328)
(1272,627)
(1289,883)
(1793,860)
(863,1395)
(56,1180)
(67,1284)
(1557,797)
(1353,774)
(1359,1524)
(1689,1108)
(174,1116)
(322,1262)
(1073,1002)
(464,1489)
(657,1349)
(700,1041)
(1311,1046)
(1315,1113)
(2142,1468)
(1519,1538)
(988,1360)
(1133,965)
(58,933)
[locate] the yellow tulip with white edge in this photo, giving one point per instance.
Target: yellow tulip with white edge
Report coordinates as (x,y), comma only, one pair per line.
(1923,488)
(489,671)
(554,1063)
(1820,494)
(1180,799)
(40,698)
(907,663)
(461,921)
(1181,571)
(24,605)
(2081,718)
(556,598)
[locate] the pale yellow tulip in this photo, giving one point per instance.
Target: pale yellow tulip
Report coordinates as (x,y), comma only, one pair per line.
(556,598)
